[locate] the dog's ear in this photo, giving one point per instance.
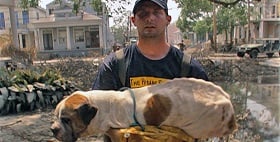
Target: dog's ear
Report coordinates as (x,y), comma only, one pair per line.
(86,113)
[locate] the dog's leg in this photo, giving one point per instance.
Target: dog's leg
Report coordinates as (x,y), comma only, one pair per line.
(106,138)
(113,135)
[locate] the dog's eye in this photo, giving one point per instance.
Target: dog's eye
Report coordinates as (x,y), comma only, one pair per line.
(65,120)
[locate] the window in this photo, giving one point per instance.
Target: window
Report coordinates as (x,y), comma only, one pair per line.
(25,17)
(16,13)
(2,21)
(23,41)
(51,11)
(62,36)
(79,35)
(47,40)
(37,16)
(273,11)
(92,37)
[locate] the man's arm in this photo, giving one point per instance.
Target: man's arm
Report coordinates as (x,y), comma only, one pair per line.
(197,70)
(107,76)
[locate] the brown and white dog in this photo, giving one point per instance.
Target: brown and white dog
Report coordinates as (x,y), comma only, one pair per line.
(200,108)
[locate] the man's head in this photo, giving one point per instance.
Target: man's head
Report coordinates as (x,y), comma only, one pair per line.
(161,3)
(151,18)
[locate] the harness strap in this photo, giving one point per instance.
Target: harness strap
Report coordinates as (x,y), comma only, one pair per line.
(136,122)
(185,65)
(122,67)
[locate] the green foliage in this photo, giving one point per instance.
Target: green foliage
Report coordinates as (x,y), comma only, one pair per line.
(117,7)
(119,33)
(5,78)
(228,17)
(76,8)
(192,11)
(25,4)
(196,16)
(240,12)
(49,76)
(25,76)
(97,5)
(203,26)
(27,90)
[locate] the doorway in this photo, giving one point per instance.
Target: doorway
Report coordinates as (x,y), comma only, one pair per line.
(92,39)
(47,40)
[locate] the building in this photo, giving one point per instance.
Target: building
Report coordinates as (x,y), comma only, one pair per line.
(269,26)
(174,35)
(23,18)
(264,23)
(58,31)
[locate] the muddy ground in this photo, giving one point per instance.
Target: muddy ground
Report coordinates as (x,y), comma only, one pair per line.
(31,127)
(35,126)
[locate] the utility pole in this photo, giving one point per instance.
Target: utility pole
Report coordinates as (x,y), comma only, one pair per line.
(104,29)
(129,24)
(214,27)
(248,28)
(127,29)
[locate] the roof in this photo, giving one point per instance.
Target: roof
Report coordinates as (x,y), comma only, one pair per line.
(250,45)
(52,19)
(268,38)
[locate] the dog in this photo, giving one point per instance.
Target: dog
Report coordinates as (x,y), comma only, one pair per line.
(200,108)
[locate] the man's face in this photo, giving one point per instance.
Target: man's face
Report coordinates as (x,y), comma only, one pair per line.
(150,19)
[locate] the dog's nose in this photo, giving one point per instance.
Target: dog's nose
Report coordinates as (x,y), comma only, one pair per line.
(54,130)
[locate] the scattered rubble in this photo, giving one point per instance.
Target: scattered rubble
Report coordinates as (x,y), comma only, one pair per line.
(34,126)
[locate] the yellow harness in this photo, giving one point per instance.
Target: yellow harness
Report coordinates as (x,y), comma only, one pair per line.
(149,133)
(154,134)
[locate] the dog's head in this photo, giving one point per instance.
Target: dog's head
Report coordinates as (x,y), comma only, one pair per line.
(74,114)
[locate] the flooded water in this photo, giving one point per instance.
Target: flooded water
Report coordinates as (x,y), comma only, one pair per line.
(259,106)
(263,102)
(254,87)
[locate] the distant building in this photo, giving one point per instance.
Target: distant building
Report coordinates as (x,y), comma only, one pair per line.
(23,23)
(57,30)
(174,34)
(269,26)
(264,22)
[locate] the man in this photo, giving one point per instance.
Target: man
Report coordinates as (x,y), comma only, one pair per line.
(182,46)
(116,47)
(152,59)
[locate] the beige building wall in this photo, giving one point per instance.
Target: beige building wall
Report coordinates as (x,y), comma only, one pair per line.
(270,19)
(265,22)
(25,31)
(58,29)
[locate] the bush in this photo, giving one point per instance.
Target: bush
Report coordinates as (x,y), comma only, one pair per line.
(25,55)
(27,90)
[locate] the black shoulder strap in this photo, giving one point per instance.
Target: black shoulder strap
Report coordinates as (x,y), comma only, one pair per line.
(122,67)
(185,66)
